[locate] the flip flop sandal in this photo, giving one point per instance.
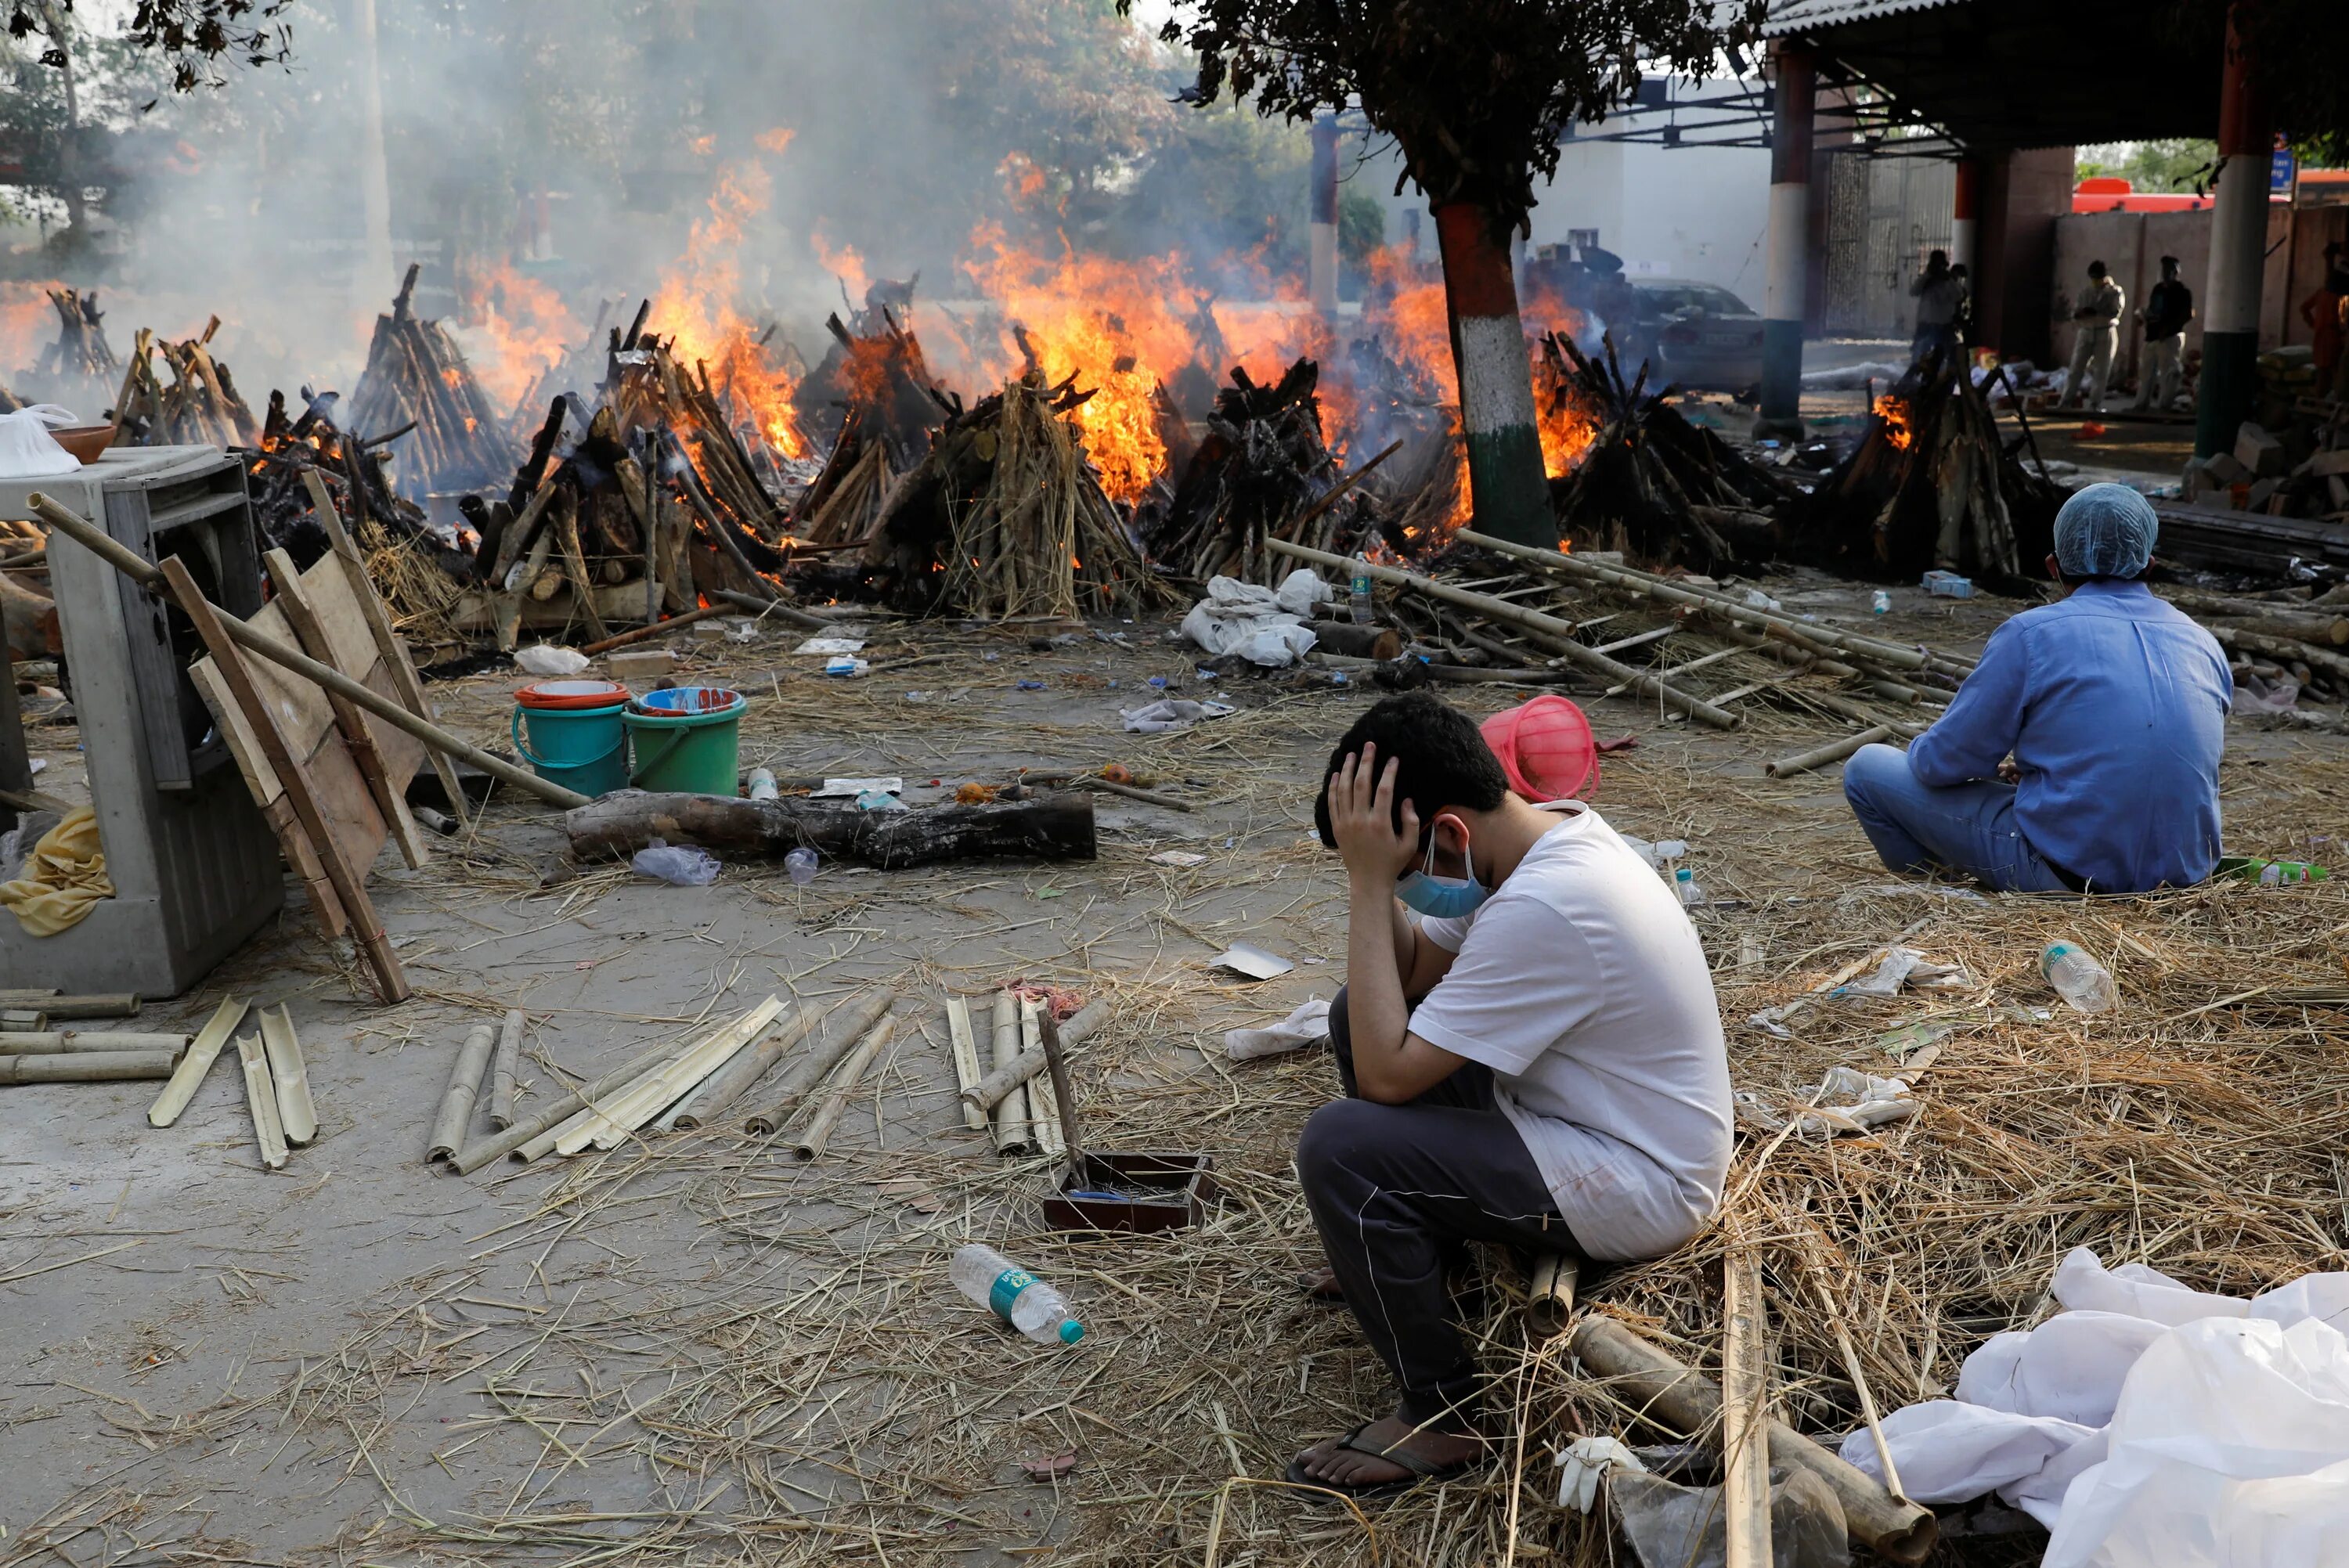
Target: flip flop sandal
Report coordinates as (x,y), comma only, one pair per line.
(1420,1469)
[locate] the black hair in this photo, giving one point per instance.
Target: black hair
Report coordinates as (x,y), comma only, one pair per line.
(1445,761)
(1938,259)
(2098,269)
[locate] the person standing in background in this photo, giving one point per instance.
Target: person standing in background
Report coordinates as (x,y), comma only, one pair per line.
(2097,318)
(2323,311)
(1941,295)
(2167,308)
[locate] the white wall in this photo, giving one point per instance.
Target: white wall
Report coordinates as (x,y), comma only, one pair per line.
(1677,212)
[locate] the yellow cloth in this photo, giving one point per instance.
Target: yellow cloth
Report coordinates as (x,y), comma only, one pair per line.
(65,874)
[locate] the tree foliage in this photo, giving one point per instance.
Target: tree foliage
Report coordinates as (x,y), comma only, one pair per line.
(193,36)
(1477,94)
(2297,47)
(2174,165)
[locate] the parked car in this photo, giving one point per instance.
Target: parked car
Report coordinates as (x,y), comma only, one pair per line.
(1698,334)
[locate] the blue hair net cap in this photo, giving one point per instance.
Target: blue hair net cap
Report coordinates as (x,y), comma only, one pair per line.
(2105,530)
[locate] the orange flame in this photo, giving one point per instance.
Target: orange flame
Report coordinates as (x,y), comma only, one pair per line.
(694,307)
(1894,413)
(515,328)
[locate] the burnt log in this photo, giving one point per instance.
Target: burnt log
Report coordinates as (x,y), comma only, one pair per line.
(1049,828)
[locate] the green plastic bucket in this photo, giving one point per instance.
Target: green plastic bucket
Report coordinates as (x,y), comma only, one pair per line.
(686,739)
(574,737)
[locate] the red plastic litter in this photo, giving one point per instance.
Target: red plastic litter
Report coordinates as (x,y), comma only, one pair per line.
(1547,749)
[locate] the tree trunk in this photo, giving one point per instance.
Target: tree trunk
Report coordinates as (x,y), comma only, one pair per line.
(1050,828)
(1505,477)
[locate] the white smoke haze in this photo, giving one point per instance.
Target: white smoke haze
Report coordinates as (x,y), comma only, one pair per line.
(547,160)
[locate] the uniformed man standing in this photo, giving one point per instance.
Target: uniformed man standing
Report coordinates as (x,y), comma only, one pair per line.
(2166,311)
(2097,320)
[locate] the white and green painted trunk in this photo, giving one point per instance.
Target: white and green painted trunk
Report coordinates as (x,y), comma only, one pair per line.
(1508,485)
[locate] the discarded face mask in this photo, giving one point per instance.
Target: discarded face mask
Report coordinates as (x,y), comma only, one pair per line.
(1172,713)
(1906,968)
(1847,1101)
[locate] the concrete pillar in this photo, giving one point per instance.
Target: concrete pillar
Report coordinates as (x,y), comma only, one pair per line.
(2238,240)
(1966,215)
(1795,97)
(1506,482)
(372,284)
(1322,264)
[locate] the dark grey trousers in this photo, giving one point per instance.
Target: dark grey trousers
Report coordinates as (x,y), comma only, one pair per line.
(1394,1189)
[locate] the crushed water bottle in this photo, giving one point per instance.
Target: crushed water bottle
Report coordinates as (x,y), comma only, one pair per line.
(677,864)
(801,863)
(1685,884)
(762,784)
(1014,1295)
(1358,598)
(2078,978)
(1881,604)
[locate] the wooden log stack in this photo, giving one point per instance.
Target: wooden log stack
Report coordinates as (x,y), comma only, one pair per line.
(417,380)
(1258,473)
(199,407)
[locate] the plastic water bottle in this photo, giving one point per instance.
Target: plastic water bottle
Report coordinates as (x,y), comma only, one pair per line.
(801,863)
(1359,606)
(762,784)
(1684,884)
(1014,1295)
(1882,604)
(2078,978)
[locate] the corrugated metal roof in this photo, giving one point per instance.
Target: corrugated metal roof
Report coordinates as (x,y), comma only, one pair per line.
(1813,15)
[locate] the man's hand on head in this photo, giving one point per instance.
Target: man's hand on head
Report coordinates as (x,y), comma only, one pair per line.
(1363,820)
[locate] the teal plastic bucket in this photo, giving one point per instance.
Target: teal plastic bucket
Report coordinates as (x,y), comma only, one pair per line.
(686,739)
(573,734)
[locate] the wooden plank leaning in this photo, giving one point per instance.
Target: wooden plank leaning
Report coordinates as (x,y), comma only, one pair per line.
(366,931)
(83,533)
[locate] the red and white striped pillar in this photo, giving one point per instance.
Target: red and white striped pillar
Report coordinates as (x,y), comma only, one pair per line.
(1322,259)
(1965,216)
(2238,241)
(1794,99)
(1507,483)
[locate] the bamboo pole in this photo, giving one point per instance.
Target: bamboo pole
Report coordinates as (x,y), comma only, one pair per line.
(605,1125)
(24,1021)
(741,1074)
(964,1046)
(1745,1411)
(1550,1296)
(1561,632)
(2282,650)
(989,1091)
(87,1067)
(482,1151)
(54,1042)
(121,1005)
(196,1061)
(261,1100)
(1939,661)
(501,1071)
(1665,1392)
(1858,1375)
(827,1114)
(1833,751)
(455,1116)
(1011,1112)
(122,559)
(296,1117)
(1044,1099)
(841,1030)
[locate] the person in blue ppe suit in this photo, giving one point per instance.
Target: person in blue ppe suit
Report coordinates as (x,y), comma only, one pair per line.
(1530,1056)
(2083,752)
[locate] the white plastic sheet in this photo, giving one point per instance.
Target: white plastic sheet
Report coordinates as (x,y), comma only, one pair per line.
(2150,1425)
(1263,625)
(27,450)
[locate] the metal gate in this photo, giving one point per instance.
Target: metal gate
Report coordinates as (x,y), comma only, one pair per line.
(1884,216)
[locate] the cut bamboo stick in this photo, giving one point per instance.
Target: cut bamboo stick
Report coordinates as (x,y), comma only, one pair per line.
(989,1092)
(87,1067)
(24,1021)
(1744,1412)
(964,1045)
(111,1004)
(1011,1112)
(1850,1353)
(261,1100)
(1550,1298)
(295,1115)
(196,1061)
(827,1114)
(55,1042)
(841,1030)
(501,1071)
(1833,751)
(606,1125)
(495,1145)
(740,1075)
(1044,1101)
(455,1117)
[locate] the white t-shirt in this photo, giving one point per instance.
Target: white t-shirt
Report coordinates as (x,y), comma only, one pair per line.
(1582,986)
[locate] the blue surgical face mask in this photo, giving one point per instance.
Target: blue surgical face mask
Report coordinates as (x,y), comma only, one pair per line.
(1442,898)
